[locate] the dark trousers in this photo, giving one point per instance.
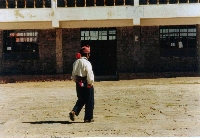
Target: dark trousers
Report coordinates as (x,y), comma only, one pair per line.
(85,97)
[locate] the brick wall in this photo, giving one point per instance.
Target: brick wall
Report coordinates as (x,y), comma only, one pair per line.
(1,49)
(198,45)
(178,64)
(150,48)
(137,49)
(47,58)
(128,49)
(153,62)
(137,52)
(47,51)
(59,51)
(71,45)
(144,55)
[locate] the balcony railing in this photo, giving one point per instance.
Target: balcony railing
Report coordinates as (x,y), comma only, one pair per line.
(83,3)
(147,2)
(25,3)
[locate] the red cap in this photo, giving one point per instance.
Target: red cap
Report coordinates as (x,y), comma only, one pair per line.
(85,49)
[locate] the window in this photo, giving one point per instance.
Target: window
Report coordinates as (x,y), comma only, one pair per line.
(178,40)
(193,1)
(98,34)
(90,2)
(20,45)
(112,34)
(25,3)
(103,35)
(119,2)
(109,3)
(100,2)
(70,3)
(152,1)
(2,4)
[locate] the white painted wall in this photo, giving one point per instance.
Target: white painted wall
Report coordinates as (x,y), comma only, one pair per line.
(100,16)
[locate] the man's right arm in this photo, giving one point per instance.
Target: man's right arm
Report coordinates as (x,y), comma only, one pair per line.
(90,74)
(73,77)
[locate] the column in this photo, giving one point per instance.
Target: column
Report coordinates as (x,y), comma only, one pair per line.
(55,22)
(136,2)
(59,51)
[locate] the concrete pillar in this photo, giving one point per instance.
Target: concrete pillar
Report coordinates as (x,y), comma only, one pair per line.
(136,21)
(53,4)
(59,51)
(136,2)
(55,22)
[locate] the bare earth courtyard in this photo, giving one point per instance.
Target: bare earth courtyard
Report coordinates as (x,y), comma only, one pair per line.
(140,107)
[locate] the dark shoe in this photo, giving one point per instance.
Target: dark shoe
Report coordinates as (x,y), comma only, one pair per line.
(88,121)
(71,116)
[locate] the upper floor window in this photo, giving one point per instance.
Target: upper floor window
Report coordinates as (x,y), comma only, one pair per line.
(98,34)
(178,40)
(20,45)
(25,3)
(84,3)
(144,2)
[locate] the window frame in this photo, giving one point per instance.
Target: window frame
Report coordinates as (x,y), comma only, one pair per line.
(178,41)
(101,34)
(20,45)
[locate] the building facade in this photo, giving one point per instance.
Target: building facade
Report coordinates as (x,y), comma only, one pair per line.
(127,37)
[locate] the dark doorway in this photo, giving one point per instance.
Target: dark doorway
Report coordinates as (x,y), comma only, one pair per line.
(103,50)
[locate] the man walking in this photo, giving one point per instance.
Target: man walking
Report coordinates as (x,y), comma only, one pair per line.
(83,76)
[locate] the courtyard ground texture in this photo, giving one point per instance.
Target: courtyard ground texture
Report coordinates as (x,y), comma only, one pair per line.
(136,108)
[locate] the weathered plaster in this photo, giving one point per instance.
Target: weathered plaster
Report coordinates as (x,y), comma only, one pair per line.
(145,15)
(18,14)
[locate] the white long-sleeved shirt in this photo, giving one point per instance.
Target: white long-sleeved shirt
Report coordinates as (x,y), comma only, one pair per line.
(83,68)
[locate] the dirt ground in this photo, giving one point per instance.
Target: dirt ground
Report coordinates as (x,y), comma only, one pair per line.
(136,108)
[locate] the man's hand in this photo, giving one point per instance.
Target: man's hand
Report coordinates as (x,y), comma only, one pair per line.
(89,85)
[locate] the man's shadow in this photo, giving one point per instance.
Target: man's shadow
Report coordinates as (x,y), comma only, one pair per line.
(52,122)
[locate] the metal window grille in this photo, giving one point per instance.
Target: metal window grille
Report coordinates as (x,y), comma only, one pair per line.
(178,40)
(20,45)
(98,34)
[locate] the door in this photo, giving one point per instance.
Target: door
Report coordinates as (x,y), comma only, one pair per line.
(103,52)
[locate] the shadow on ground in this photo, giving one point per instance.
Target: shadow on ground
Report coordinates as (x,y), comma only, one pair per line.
(52,122)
